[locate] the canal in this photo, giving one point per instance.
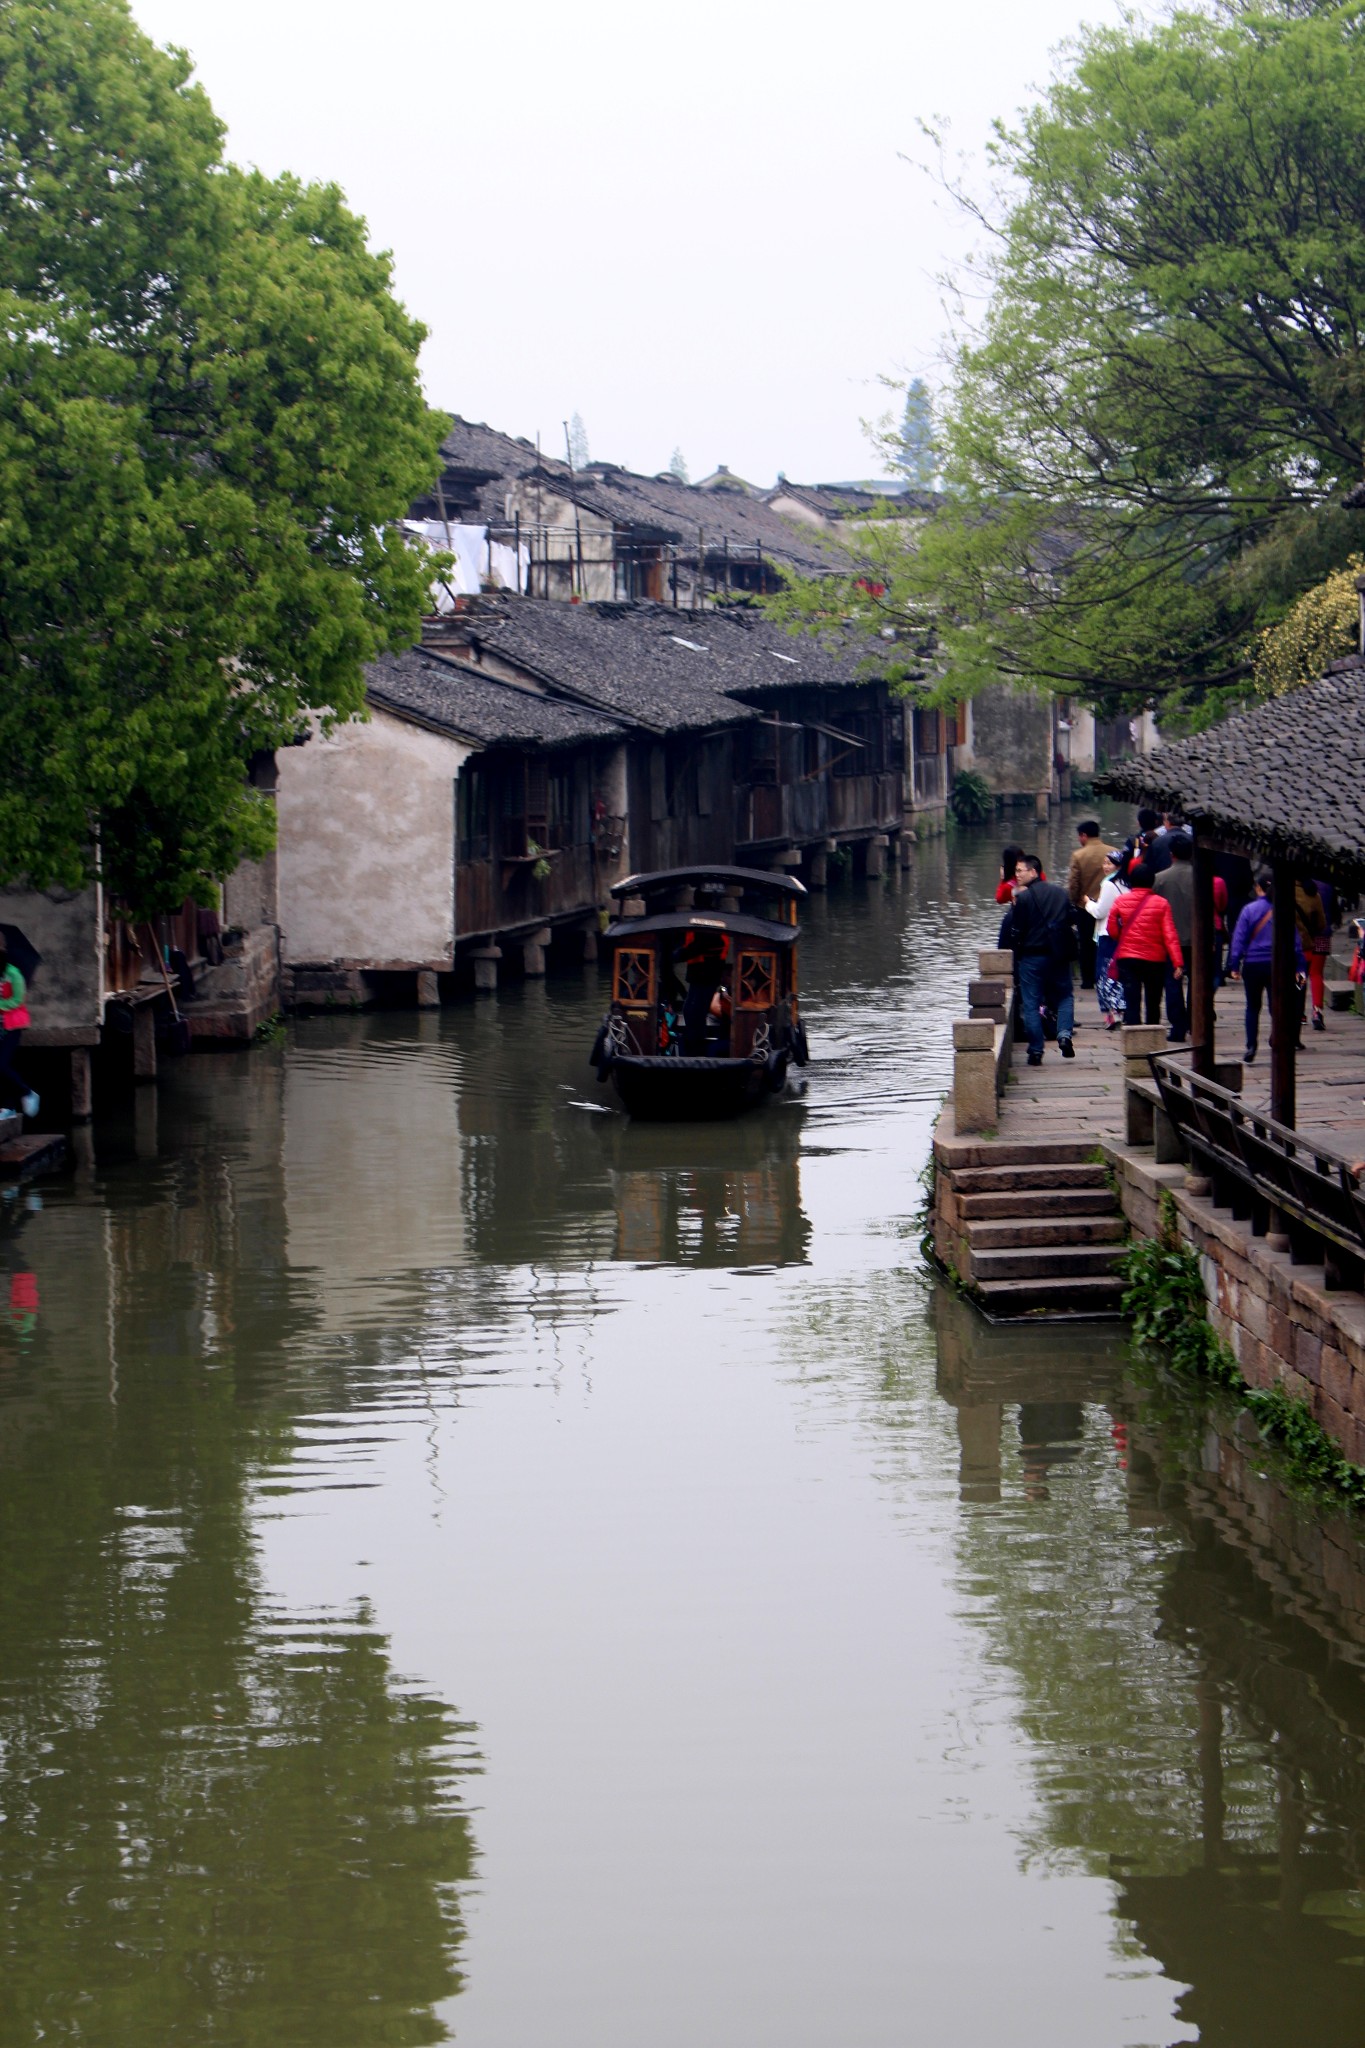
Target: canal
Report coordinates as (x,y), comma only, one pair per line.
(476,1569)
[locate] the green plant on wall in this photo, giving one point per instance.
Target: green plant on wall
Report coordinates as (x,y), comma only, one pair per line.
(1164,1295)
(971,801)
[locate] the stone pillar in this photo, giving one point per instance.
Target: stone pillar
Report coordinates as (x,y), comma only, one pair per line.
(876,855)
(428,990)
(906,843)
(1137,1042)
(817,874)
(81,1098)
(989,997)
(974,1102)
(533,953)
(1041,802)
(995,960)
(486,960)
(144,1043)
(589,945)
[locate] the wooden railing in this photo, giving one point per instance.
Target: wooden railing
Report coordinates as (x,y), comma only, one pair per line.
(1264,1170)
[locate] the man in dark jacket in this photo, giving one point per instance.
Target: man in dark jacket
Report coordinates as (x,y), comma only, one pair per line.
(1176,884)
(1041,931)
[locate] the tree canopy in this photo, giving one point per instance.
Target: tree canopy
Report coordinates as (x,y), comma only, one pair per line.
(211,411)
(1322,626)
(1147,437)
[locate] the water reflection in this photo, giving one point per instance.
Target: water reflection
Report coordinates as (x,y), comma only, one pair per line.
(834,1656)
(1190,1641)
(1266,1921)
(225,1816)
(722,1201)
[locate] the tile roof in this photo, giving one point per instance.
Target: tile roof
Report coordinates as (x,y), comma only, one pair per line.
(1282,781)
(855,501)
(656,507)
(670,670)
(480,708)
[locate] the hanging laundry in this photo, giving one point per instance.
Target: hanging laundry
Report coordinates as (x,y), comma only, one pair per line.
(510,566)
(469,546)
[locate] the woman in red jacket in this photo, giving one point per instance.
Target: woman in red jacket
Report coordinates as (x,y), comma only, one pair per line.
(1147,945)
(1009,858)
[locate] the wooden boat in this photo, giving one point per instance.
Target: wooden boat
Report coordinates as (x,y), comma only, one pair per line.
(704,1019)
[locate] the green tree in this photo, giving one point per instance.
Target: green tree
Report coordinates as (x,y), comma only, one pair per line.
(914,451)
(210,412)
(677,466)
(576,442)
(1321,627)
(1144,444)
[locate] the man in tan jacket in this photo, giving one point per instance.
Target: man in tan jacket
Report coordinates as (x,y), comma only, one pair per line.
(1089,866)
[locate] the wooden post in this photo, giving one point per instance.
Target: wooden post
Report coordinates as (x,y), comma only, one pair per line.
(1201,963)
(144,1043)
(1284,998)
(80,1085)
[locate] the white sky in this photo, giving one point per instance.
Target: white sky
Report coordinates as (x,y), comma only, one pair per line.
(689,224)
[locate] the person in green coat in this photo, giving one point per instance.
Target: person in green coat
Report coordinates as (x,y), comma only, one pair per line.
(15,1092)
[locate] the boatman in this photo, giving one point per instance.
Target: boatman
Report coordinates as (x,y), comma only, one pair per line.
(704,955)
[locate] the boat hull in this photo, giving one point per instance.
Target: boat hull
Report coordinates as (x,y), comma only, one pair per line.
(671,1090)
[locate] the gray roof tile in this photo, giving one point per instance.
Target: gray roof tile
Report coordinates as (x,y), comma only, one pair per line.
(479,708)
(1284,779)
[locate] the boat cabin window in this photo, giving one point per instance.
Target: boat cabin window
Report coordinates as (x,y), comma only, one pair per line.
(633,984)
(757,981)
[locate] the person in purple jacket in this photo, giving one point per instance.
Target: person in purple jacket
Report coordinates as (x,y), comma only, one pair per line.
(1249,956)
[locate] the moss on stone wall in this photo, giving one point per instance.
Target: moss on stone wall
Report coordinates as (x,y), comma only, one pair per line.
(1164,1296)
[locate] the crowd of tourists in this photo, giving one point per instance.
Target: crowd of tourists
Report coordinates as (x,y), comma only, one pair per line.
(1125,917)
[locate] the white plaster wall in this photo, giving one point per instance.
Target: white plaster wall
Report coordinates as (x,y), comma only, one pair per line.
(367,846)
(67,927)
(1082,741)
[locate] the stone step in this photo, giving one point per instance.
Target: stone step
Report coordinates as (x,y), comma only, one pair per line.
(31,1152)
(1019,1232)
(966,1154)
(1002,1180)
(1341,995)
(1043,1262)
(1037,1203)
(1098,1296)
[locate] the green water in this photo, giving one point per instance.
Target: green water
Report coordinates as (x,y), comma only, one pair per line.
(471,1568)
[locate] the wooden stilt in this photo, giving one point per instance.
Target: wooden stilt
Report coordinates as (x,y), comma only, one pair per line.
(144,1043)
(81,1100)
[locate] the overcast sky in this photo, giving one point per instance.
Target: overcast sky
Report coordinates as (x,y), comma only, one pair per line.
(692,225)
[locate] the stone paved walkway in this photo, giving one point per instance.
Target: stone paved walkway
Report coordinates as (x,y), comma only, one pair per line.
(1086,1094)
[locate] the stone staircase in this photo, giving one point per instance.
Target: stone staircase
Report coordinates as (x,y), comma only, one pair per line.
(1036,1230)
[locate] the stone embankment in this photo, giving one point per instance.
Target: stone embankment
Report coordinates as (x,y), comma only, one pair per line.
(1041,1173)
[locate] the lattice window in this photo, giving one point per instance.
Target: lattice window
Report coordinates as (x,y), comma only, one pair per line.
(757,981)
(634,983)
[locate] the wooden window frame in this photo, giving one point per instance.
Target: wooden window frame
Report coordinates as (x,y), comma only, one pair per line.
(635,1002)
(756,953)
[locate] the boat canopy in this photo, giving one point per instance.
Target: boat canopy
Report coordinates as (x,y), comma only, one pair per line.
(767,879)
(735,921)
